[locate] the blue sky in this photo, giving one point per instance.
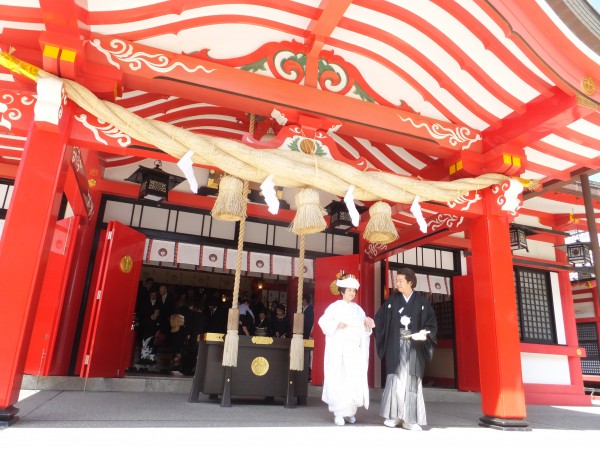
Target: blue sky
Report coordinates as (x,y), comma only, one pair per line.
(595,4)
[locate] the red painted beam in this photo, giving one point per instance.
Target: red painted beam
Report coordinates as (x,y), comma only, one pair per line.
(131,190)
(320,29)
(546,112)
(249,92)
(530,28)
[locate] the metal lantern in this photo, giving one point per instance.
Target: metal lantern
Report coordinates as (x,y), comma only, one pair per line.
(339,215)
(518,239)
(155,183)
(579,253)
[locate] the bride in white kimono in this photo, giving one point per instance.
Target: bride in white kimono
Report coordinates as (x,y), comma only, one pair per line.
(347,331)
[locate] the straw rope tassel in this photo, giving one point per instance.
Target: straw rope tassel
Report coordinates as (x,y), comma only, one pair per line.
(380,229)
(231,202)
(232,339)
(297,344)
(309,213)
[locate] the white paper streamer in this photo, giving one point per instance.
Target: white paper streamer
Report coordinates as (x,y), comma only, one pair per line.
(268,191)
(415,209)
(511,195)
(186,166)
(349,201)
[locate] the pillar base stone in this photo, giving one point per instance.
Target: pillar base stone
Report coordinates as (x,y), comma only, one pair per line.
(8,416)
(499,423)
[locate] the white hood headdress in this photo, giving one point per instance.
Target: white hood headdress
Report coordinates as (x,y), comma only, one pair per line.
(349,282)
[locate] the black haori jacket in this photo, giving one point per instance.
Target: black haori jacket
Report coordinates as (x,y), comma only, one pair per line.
(387,331)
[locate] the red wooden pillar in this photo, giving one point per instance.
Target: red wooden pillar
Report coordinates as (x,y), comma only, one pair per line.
(24,248)
(568,311)
(502,392)
(367,286)
(81,261)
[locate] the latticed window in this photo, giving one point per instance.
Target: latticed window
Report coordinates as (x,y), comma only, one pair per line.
(534,306)
(587,334)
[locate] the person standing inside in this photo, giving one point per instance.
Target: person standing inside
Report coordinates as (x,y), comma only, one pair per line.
(309,317)
(405,336)
(280,325)
(347,332)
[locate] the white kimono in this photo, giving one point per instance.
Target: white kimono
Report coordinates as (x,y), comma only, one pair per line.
(345,387)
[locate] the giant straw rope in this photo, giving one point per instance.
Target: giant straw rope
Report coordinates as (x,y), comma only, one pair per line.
(290,169)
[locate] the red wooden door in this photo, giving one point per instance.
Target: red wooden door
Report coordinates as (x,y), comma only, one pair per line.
(326,270)
(109,341)
(50,304)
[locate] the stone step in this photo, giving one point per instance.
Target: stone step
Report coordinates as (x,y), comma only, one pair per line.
(183,384)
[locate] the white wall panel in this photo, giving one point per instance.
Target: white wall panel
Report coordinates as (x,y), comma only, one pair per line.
(189,223)
(172,218)
(256,233)
(343,245)
(429,259)
(545,369)
(137,215)
(222,229)
(447,260)
(410,256)
(537,249)
(558,311)
(315,242)
(584,310)
(284,238)
(154,218)
(121,212)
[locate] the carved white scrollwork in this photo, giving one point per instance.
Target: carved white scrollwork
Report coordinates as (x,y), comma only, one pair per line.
(454,136)
(445,221)
(109,130)
(508,195)
(374,249)
(123,52)
(8,113)
(464,200)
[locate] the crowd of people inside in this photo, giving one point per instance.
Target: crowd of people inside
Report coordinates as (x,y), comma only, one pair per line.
(169,324)
(405,328)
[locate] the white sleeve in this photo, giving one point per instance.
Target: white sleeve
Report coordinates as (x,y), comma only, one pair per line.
(328,321)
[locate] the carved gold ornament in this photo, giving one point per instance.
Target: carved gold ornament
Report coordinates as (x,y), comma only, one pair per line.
(259,366)
(92,183)
(333,287)
(126,264)
(588,84)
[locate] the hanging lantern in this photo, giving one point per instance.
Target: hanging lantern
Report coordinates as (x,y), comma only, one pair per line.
(518,239)
(155,183)
(381,228)
(339,215)
(231,202)
(309,213)
(579,253)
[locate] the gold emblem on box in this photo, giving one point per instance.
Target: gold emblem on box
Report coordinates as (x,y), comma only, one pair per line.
(264,340)
(259,366)
(126,264)
(214,337)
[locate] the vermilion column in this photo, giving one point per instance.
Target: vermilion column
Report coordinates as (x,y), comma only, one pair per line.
(502,393)
(24,248)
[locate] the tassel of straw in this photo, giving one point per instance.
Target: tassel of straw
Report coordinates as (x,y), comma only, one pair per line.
(231,203)
(297,344)
(380,229)
(232,339)
(309,213)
